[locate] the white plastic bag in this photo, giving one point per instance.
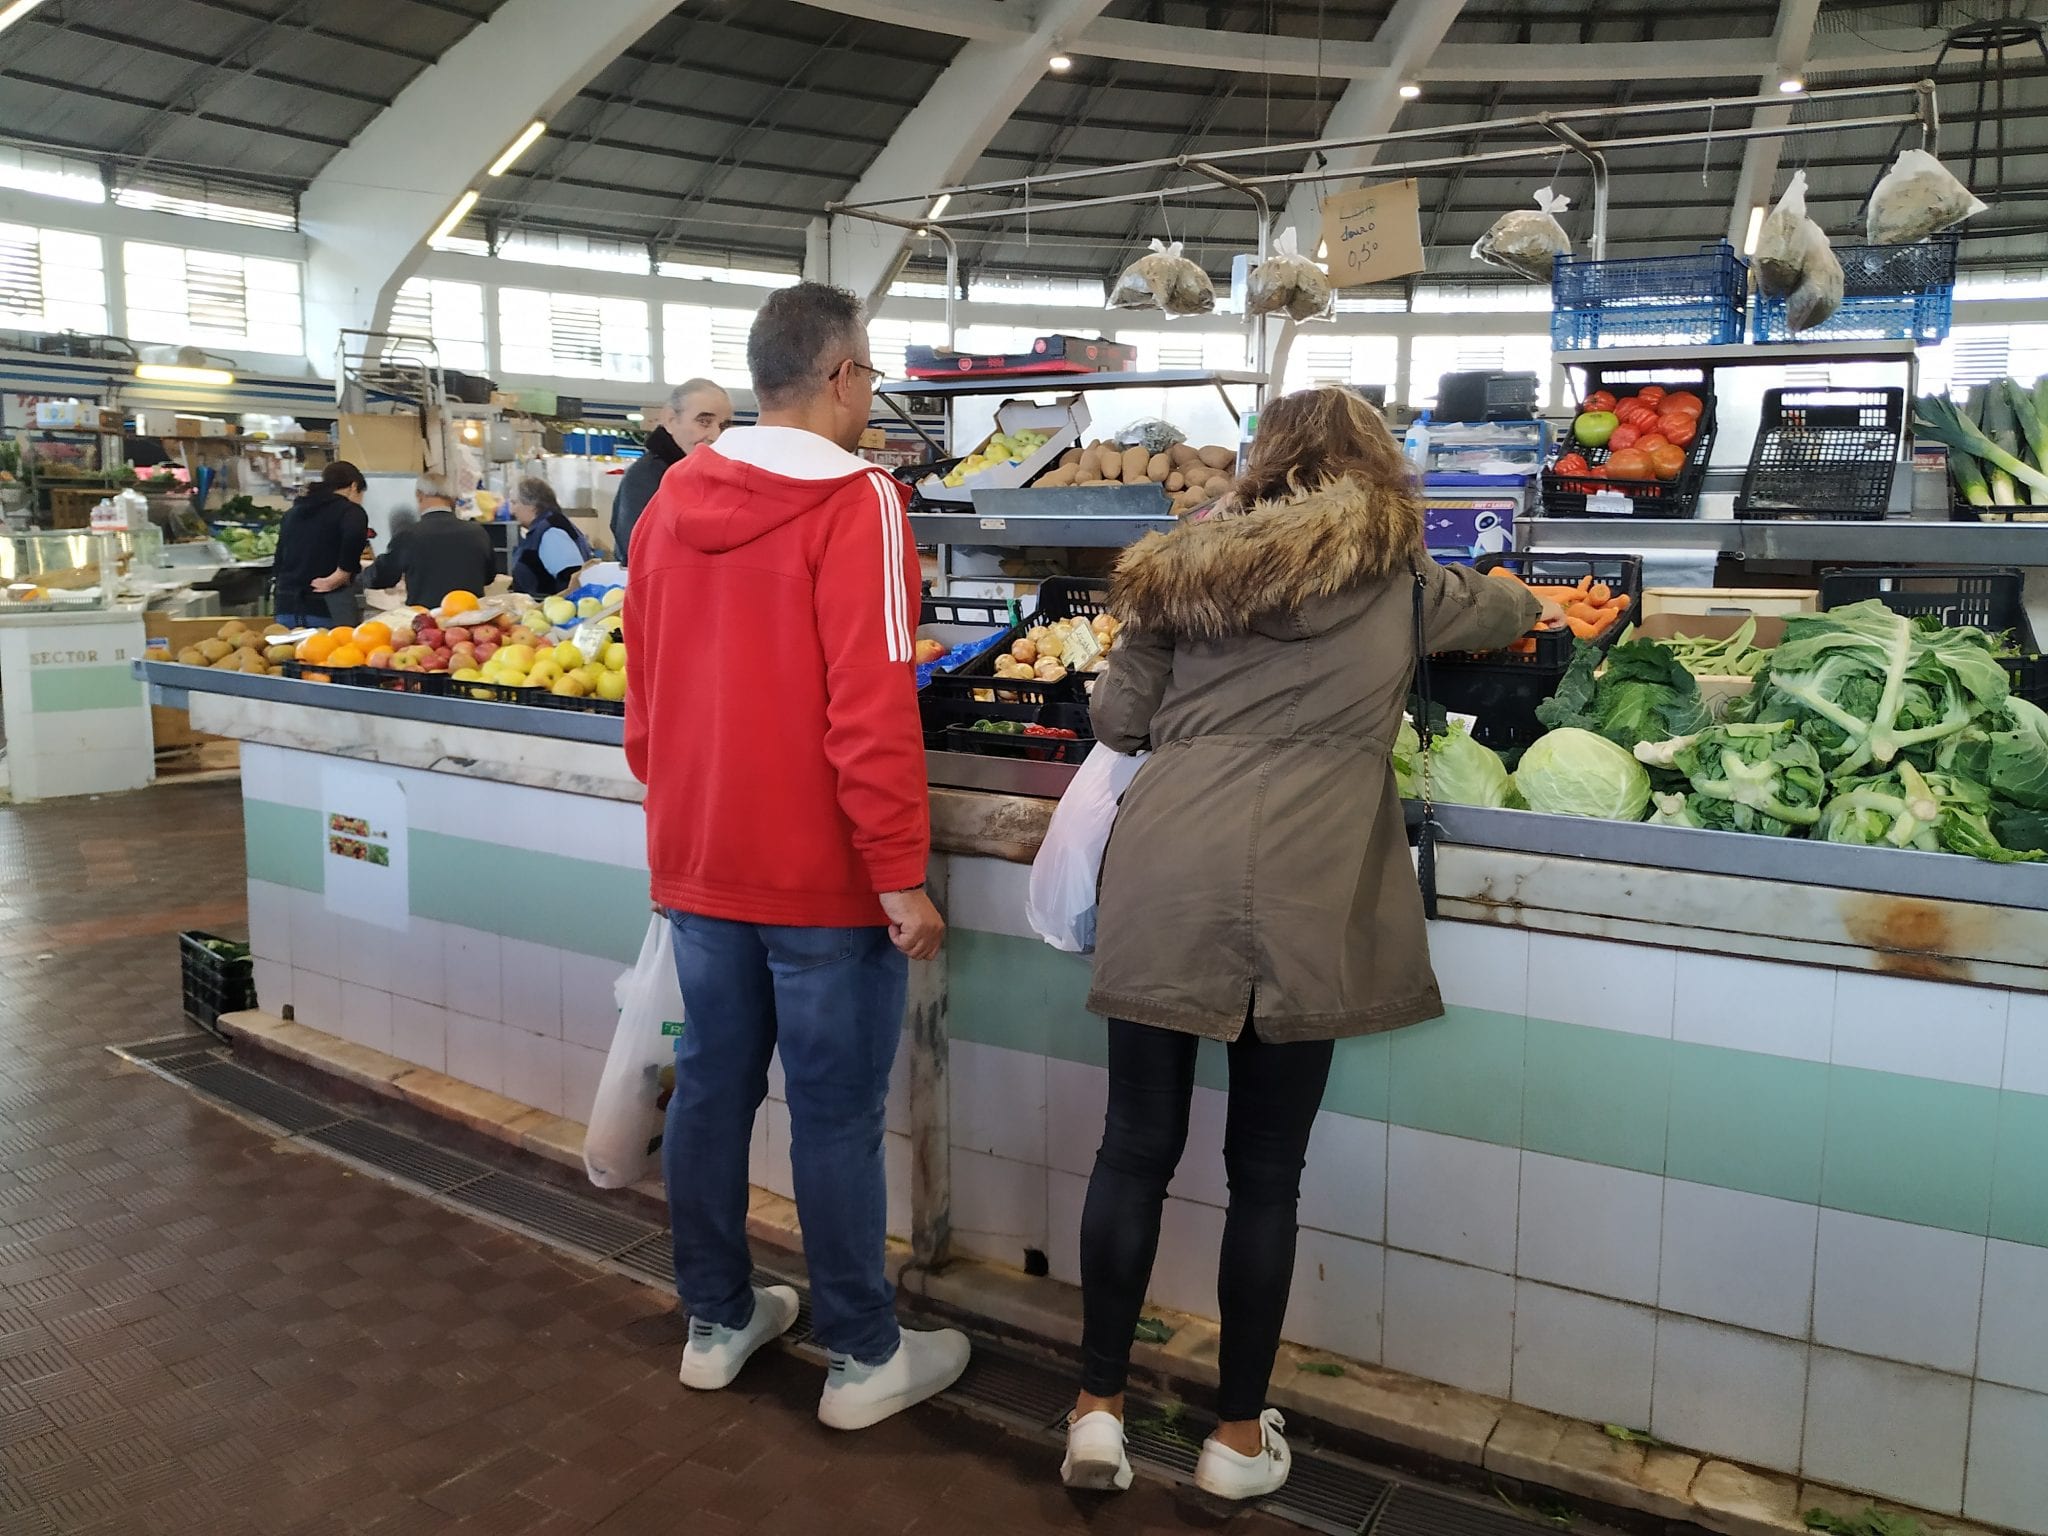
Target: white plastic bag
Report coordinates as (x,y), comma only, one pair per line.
(1916,198)
(1781,245)
(1525,242)
(1060,904)
(1819,293)
(1164,279)
(1288,283)
(622,1144)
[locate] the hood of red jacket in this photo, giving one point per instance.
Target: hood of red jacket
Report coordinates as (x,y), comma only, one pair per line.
(753,480)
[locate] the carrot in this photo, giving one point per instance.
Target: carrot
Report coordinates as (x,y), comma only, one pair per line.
(1599,592)
(1585,584)
(1620,603)
(1501,570)
(1525,646)
(1582,629)
(1586,612)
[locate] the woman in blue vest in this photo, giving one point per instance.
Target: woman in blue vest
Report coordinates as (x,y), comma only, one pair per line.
(552,549)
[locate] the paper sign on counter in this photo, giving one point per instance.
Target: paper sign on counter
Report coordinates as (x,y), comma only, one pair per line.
(1374,234)
(363,847)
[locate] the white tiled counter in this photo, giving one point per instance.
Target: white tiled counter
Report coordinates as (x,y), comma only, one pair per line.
(1759,1166)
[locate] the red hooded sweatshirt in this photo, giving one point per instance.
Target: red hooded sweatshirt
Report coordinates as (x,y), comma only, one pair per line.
(773,712)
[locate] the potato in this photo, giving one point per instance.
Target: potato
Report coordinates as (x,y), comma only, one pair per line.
(1216,485)
(1217,458)
(1158,467)
(1176,481)
(191,656)
(1059,477)
(1111,463)
(1086,473)
(214,650)
(1135,462)
(1070,458)
(277,653)
(1182,455)
(231,629)
(1024,651)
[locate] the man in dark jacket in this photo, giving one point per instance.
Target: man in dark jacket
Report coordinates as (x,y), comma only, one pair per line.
(438,554)
(695,413)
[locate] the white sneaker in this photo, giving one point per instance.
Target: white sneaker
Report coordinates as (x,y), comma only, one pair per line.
(714,1355)
(1230,1475)
(1095,1453)
(924,1365)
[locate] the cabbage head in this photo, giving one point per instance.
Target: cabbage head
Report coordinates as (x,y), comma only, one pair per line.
(1461,771)
(1572,772)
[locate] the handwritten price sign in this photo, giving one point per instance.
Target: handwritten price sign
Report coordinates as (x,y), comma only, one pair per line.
(1374,234)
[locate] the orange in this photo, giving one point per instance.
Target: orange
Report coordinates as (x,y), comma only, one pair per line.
(345,656)
(341,634)
(316,648)
(372,635)
(459,602)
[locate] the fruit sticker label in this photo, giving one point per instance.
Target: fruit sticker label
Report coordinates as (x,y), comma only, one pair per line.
(363,854)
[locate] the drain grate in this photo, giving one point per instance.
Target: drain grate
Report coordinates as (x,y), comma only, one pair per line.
(168,1046)
(652,1258)
(553,1214)
(389,1152)
(1162,1434)
(283,1107)
(182,1066)
(1331,1493)
(1016,1389)
(1416,1511)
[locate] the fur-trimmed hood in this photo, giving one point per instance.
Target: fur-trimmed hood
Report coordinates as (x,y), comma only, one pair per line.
(1222,576)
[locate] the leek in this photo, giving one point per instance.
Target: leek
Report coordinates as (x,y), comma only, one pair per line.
(1938,421)
(2028,419)
(1998,425)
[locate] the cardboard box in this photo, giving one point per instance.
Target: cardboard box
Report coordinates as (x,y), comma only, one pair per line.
(1738,601)
(163,637)
(1065,419)
(384,444)
(1717,691)
(188,426)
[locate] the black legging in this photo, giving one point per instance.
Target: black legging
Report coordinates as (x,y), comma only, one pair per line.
(1274,1093)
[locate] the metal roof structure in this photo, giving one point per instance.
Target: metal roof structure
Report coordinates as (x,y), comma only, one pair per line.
(722,133)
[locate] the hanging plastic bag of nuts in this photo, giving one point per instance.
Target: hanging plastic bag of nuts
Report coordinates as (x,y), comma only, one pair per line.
(1918,197)
(1164,279)
(1782,244)
(1526,242)
(1288,283)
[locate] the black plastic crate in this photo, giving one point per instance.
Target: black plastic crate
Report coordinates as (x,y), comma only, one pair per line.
(964,737)
(957,700)
(1553,652)
(1059,597)
(1501,697)
(214,983)
(1986,598)
(1824,453)
(995,615)
(1567,495)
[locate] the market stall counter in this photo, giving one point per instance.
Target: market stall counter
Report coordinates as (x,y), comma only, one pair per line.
(1735,1140)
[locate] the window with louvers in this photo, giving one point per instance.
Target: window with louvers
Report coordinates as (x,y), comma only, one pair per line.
(51,280)
(21,276)
(213,299)
(573,336)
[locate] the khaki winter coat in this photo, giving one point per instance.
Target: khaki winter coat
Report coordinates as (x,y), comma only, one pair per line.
(1259,867)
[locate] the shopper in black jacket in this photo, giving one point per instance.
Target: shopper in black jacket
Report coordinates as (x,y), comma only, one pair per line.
(695,413)
(320,546)
(440,553)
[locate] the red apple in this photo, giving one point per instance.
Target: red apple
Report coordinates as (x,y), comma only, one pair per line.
(453,633)
(487,650)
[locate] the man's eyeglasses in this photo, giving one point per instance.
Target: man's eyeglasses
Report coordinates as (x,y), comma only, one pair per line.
(875,373)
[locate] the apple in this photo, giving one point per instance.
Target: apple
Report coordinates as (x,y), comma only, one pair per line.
(568,656)
(615,656)
(487,650)
(380,658)
(454,632)
(405,661)
(612,685)
(401,638)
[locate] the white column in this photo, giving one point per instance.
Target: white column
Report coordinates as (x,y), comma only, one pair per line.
(367,216)
(1791,39)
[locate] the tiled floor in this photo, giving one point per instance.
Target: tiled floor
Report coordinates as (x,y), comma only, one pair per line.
(206,1334)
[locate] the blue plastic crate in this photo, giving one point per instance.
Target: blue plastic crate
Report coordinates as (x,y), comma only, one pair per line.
(1694,300)
(1889,293)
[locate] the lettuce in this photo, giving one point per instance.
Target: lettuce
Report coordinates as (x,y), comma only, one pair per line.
(1645,694)
(1572,772)
(1461,770)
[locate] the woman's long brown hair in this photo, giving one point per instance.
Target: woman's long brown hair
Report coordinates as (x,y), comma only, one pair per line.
(1314,436)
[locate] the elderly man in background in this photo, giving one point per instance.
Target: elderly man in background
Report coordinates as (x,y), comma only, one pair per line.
(694,414)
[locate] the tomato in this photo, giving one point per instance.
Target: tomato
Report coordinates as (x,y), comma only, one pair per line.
(1679,428)
(1667,462)
(1635,413)
(1650,394)
(1629,464)
(1684,400)
(1572,464)
(1623,436)
(1599,400)
(1650,442)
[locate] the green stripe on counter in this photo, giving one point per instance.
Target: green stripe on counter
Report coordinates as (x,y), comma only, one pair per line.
(543,898)
(61,690)
(282,844)
(1961,1158)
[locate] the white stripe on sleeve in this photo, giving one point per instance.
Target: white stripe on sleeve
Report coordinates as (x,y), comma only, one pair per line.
(895,617)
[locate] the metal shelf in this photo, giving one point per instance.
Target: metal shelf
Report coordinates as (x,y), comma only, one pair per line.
(1741,355)
(1047,383)
(1904,540)
(1054,532)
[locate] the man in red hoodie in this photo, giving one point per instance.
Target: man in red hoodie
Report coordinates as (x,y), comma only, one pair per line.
(773,718)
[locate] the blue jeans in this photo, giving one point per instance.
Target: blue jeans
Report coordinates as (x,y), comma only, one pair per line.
(831,999)
(305,621)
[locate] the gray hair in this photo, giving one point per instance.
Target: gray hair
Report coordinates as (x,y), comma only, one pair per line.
(536,493)
(680,395)
(799,334)
(434,487)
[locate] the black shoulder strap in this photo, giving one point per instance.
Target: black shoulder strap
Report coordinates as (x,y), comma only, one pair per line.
(1426,840)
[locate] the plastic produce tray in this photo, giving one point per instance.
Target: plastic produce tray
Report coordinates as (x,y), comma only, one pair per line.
(1824,453)
(1567,496)
(1987,599)
(1889,293)
(1697,300)
(214,984)
(1622,573)
(990,614)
